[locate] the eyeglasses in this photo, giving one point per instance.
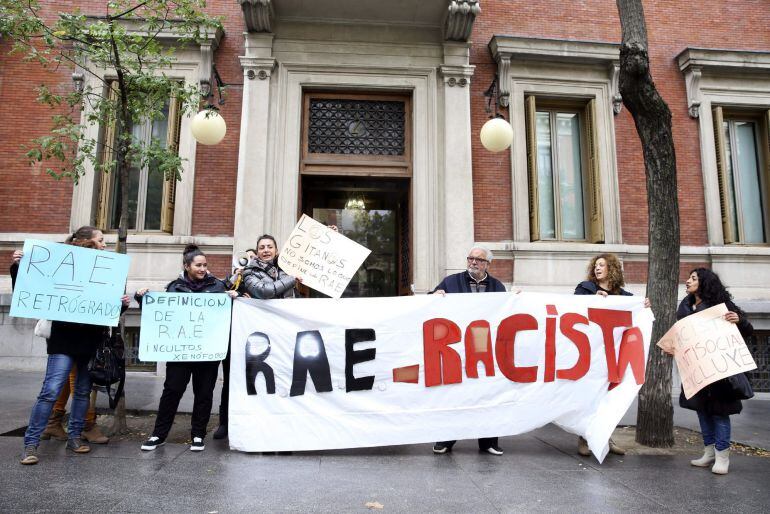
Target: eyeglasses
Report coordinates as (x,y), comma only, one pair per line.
(476,259)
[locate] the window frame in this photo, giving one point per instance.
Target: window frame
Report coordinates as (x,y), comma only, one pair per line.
(105,218)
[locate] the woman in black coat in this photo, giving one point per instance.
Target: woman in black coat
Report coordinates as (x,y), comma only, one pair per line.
(716,402)
(194,279)
(262,278)
(70,346)
(605,277)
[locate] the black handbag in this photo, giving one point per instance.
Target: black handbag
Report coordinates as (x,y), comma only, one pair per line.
(741,386)
(108,365)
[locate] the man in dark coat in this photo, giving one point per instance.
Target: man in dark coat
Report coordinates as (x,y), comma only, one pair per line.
(474,280)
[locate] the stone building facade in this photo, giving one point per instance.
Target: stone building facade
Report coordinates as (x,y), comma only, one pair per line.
(405,82)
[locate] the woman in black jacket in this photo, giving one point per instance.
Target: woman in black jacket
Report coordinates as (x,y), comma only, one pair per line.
(716,402)
(194,279)
(605,277)
(71,345)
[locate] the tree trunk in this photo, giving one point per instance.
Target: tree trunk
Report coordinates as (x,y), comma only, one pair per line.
(119,425)
(655,416)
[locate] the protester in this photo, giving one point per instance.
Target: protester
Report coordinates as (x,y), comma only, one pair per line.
(474,280)
(195,278)
(234,282)
(70,347)
(716,402)
(262,278)
(605,277)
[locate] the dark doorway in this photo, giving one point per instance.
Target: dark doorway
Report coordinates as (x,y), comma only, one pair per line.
(374,212)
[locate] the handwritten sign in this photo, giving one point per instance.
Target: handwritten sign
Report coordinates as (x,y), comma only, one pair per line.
(69,283)
(323,374)
(324,259)
(184,327)
(707,348)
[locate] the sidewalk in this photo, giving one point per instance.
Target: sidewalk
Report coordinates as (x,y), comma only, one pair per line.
(540,472)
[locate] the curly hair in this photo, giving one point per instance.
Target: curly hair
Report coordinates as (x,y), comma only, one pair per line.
(614,272)
(713,292)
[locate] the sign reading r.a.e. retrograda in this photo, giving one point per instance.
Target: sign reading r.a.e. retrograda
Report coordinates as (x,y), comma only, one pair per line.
(323,258)
(184,327)
(69,283)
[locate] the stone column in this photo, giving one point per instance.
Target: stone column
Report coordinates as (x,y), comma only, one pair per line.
(458,169)
(250,216)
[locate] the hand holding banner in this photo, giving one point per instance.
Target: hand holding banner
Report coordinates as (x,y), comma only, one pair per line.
(707,348)
(69,283)
(323,258)
(184,327)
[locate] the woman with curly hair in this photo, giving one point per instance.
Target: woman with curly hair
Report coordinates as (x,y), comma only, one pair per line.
(605,277)
(715,402)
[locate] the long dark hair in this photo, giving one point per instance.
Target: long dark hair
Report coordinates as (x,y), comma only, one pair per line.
(190,253)
(712,292)
(84,233)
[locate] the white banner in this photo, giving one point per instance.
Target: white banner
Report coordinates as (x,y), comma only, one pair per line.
(323,258)
(313,374)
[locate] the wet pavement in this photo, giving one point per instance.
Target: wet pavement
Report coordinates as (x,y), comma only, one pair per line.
(540,472)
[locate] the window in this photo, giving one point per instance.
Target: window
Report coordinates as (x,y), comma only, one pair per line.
(564,186)
(759,346)
(151,197)
(743,151)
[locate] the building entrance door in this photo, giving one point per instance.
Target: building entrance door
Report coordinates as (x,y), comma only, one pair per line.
(374,212)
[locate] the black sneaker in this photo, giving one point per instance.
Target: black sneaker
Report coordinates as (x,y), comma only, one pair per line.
(220,432)
(197,444)
(494,450)
(441,448)
(77,445)
(152,443)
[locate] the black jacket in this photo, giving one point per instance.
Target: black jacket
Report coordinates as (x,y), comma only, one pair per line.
(589,287)
(77,340)
(716,399)
(458,283)
(210,284)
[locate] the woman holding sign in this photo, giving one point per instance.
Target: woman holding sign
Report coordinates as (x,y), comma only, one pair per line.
(70,347)
(717,401)
(262,278)
(605,278)
(194,279)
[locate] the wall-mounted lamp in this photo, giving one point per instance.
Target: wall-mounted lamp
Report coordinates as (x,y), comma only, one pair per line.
(497,134)
(208,127)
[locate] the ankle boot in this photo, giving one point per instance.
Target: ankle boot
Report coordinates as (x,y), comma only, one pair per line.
(94,435)
(707,459)
(54,428)
(722,462)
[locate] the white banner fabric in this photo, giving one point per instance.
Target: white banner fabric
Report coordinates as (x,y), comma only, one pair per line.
(539,358)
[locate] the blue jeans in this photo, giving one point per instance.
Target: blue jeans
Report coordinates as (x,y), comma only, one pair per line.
(715,430)
(56,374)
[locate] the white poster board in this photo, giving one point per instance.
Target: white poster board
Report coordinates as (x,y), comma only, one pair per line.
(323,258)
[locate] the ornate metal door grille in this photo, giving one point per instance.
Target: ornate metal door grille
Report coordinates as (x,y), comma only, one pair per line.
(759,346)
(356,127)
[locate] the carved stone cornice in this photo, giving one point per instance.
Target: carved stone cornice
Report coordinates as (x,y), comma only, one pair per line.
(459,76)
(694,62)
(458,23)
(258,14)
(504,49)
(258,67)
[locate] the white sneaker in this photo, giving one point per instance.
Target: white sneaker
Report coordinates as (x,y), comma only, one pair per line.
(197,444)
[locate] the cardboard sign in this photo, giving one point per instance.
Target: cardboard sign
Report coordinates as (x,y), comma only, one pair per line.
(707,348)
(324,259)
(184,327)
(69,283)
(317,374)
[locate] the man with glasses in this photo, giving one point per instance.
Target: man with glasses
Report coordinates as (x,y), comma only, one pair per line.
(474,280)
